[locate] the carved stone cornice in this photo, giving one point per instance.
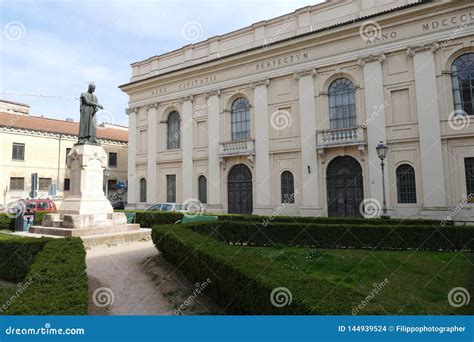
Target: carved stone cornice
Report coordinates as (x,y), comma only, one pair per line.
(371,58)
(213,92)
(302,73)
(413,50)
(186,98)
(152,105)
(256,84)
(131,110)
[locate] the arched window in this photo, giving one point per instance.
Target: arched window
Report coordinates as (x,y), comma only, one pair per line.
(240,118)
(342,108)
(287,187)
(462,75)
(202,189)
(142,190)
(174,134)
(406,185)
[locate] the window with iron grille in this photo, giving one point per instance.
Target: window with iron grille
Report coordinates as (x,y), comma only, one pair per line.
(462,76)
(113,159)
(44,183)
(174,134)
(170,188)
(287,187)
(342,106)
(406,184)
(240,119)
(143,190)
(18,151)
(202,189)
(67,184)
(469,170)
(17,183)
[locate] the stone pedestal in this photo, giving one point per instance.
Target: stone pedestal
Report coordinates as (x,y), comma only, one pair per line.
(86,212)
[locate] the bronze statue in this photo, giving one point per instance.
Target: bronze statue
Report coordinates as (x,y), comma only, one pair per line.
(88,124)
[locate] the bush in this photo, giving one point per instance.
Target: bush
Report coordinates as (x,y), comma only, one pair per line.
(203,259)
(58,281)
(452,238)
(148,219)
(328,220)
(6,222)
(17,255)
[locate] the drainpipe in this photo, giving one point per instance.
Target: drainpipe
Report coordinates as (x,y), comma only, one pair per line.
(59,162)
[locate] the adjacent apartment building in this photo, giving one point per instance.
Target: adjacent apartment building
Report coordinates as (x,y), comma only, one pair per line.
(36,144)
(284,116)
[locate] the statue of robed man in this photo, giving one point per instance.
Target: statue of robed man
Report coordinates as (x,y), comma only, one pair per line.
(88,124)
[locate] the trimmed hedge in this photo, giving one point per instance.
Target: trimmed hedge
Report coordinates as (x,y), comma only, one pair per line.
(17,255)
(58,281)
(6,222)
(233,282)
(149,218)
(431,238)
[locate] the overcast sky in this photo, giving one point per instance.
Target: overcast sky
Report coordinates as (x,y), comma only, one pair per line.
(51,50)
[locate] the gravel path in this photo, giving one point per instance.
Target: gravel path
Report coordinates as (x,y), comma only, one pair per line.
(121,284)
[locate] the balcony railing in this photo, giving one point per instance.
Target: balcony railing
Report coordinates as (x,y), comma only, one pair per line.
(341,137)
(237,148)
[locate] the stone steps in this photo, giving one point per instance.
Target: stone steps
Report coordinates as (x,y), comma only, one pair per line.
(80,232)
(143,234)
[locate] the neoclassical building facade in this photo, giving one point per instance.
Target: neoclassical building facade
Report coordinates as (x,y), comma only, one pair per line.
(284,116)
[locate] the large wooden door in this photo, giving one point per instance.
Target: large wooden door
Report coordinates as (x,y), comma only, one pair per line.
(345,188)
(239,190)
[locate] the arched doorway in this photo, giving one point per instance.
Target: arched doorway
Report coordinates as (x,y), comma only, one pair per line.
(239,190)
(345,188)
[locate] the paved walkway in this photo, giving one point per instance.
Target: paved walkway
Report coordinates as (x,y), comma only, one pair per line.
(121,284)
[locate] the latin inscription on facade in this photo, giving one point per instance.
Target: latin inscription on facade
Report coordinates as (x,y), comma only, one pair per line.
(458,20)
(287,60)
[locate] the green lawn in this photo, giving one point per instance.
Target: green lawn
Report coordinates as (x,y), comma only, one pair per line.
(335,281)
(4,235)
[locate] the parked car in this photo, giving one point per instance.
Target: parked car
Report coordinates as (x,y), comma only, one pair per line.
(118,205)
(155,207)
(167,207)
(34,205)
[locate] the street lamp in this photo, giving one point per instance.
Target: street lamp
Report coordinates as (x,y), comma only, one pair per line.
(382,153)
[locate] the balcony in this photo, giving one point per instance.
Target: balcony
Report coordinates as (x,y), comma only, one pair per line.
(237,148)
(342,137)
(355,136)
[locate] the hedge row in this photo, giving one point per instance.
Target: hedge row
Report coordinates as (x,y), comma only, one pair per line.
(6,222)
(233,281)
(57,281)
(149,218)
(17,255)
(452,238)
